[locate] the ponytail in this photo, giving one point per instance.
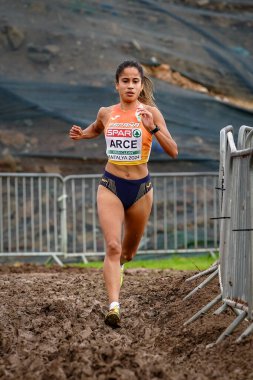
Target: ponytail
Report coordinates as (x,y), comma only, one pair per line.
(147,93)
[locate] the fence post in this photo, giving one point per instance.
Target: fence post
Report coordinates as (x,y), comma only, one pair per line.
(63,217)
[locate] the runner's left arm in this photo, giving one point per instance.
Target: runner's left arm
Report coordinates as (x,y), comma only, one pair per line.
(152,118)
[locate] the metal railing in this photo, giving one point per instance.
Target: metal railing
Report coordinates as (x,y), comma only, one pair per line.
(30,217)
(179,221)
(235,267)
(46,214)
(237,212)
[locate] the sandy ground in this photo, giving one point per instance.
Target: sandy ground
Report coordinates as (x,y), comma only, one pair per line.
(52,327)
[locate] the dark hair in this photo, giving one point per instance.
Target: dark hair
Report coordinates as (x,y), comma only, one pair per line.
(146,96)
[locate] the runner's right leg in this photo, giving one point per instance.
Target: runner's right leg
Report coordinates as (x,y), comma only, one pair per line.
(111,217)
(136,218)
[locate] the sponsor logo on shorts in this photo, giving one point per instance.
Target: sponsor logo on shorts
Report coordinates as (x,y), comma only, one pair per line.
(148,185)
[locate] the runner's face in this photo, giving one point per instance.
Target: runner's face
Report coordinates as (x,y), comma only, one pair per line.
(129,86)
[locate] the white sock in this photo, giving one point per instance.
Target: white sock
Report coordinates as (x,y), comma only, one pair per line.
(113,304)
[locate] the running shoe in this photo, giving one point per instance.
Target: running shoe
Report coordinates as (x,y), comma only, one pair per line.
(121,274)
(112,318)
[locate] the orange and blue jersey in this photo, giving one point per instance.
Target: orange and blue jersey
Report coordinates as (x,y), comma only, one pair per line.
(127,140)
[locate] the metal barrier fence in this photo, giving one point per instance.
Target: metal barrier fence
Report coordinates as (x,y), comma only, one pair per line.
(237,226)
(30,216)
(235,268)
(48,215)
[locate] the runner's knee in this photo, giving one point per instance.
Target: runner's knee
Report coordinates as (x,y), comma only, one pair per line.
(113,248)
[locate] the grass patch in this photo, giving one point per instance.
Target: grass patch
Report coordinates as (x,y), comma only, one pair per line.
(174,262)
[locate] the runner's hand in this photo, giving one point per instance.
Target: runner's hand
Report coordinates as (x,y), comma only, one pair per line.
(76,133)
(146,118)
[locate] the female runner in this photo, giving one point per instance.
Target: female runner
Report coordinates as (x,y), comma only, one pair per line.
(125,193)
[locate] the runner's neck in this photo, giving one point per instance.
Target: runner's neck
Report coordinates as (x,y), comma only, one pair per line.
(129,106)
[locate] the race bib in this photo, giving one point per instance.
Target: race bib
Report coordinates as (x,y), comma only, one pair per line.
(123,144)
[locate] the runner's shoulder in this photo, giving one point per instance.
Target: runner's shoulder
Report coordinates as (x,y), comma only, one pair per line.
(104,111)
(153,109)
(104,115)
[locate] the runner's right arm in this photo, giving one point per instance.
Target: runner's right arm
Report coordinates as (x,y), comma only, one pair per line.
(92,131)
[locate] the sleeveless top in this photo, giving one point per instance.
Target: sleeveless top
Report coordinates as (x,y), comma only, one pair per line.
(127,140)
